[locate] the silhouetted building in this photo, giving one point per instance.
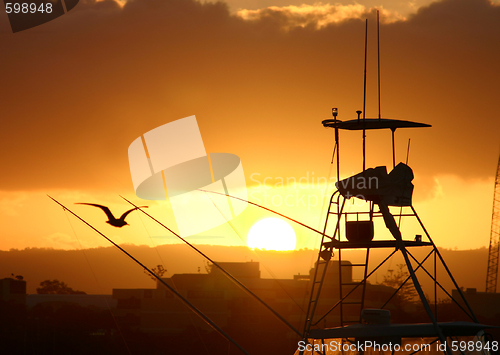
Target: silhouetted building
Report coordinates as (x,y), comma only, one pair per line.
(158,311)
(13,290)
(56,301)
(485,304)
(12,314)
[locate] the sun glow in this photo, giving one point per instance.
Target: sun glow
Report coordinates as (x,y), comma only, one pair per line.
(271,234)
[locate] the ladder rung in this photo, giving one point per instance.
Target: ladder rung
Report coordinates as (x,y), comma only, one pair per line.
(352,302)
(352,283)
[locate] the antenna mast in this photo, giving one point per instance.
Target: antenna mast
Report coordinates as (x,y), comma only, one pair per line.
(364,94)
(378,51)
(492,272)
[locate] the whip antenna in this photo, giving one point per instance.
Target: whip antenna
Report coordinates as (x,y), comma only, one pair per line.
(378,51)
(364,93)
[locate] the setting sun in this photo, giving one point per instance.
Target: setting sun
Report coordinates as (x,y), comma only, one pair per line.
(271,234)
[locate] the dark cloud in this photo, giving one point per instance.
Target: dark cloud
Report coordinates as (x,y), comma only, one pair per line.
(78,90)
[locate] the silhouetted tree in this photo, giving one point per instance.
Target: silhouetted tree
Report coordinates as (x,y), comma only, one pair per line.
(407,293)
(56,287)
(159,271)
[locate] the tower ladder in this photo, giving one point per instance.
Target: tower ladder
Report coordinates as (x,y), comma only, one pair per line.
(324,256)
(352,299)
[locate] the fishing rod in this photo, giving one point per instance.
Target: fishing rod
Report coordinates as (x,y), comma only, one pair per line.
(231,277)
(185,301)
(267,209)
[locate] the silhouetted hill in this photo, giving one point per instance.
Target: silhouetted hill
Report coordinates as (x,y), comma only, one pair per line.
(112,269)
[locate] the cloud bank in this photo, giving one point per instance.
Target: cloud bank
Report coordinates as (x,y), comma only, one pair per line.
(317,16)
(76,91)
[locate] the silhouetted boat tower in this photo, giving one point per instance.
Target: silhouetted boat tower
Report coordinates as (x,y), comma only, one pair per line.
(355,230)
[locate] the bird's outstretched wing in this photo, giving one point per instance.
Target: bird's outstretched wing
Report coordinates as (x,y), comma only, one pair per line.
(104,208)
(133,209)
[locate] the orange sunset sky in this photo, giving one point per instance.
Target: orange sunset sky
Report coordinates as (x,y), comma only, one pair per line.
(260,76)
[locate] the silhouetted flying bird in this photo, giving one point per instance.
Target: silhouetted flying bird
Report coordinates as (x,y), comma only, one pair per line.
(111,219)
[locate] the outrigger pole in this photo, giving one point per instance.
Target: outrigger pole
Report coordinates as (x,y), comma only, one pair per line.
(265,208)
(231,277)
(184,300)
